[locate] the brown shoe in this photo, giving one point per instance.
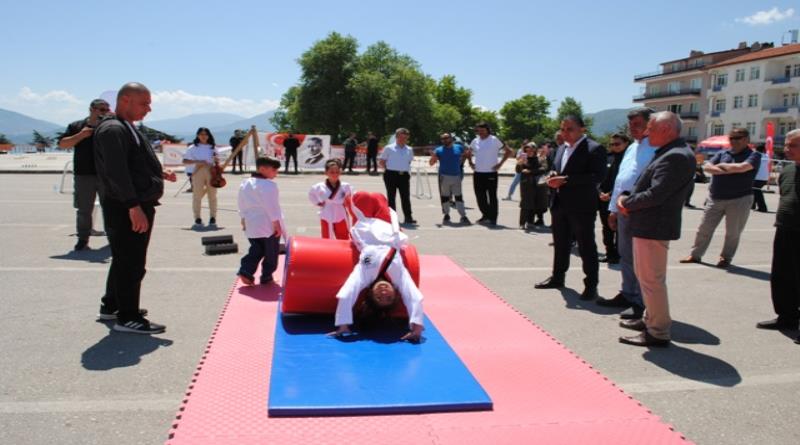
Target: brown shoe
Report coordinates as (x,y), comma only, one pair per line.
(723,263)
(644,339)
(690,259)
(636,325)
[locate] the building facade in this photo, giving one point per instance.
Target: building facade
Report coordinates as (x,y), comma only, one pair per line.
(752,90)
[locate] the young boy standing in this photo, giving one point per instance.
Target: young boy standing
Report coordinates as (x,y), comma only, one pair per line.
(262,221)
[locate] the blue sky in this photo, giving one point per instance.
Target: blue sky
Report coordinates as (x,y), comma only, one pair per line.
(240,56)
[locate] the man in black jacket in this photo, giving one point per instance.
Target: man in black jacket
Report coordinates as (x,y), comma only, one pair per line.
(619,143)
(132,182)
(654,210)
(580,165)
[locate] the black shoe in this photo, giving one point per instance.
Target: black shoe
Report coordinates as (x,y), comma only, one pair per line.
(82,244)
(106,313)
(464,220)
(482,220)
(689,206)
(797,340)
(266,280)
(539,222)
(139,326)
(632,313)
(446,219)
(198,222)
(410,221)
(618,301)
(636,325)
(589,293)
(212,222)
(612,259)
(777,325)
(645,339)
(550,283)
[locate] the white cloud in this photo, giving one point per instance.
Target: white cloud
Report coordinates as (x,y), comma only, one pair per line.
(767,17)
(177,103)
(57,106)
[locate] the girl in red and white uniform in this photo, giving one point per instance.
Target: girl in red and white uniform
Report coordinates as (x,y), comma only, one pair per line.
(380,269)
(330,195)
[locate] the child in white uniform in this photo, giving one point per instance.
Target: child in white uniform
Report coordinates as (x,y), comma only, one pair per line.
(262,221)
(329,196)
(380,269)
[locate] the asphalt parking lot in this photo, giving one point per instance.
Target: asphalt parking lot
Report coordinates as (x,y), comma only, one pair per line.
(67,379)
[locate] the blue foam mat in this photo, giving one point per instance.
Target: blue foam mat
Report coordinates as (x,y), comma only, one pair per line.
(366,373)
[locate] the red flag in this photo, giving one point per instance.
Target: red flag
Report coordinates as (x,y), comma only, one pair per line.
(769,144)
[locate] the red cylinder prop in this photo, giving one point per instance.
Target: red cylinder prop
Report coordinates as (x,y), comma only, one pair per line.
(316,269)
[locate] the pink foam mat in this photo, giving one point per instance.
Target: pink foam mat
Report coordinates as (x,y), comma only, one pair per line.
(542,392)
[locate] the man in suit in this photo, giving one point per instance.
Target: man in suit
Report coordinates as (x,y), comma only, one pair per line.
(654,213)
(132,182)
(580,165)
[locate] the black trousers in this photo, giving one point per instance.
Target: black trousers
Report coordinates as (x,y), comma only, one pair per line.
(689,195)
(266,249)
(128,257)
(784,280)
(609,236)
(372,158)
(565,225)
(485,185)
(291,153)
(398,181)
(758,196)
(349,160)
(239,159)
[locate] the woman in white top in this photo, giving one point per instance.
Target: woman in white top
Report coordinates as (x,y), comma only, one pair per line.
(330,196)
(202,155)
(380,271)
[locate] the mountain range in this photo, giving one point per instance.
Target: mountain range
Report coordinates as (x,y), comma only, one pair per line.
(19,127)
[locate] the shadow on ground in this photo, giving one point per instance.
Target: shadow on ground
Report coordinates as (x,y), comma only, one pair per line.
(120,350)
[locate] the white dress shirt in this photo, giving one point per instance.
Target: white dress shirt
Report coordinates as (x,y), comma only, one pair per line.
(259,206)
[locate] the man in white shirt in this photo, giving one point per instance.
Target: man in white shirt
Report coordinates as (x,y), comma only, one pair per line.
(485,147)
(395,160)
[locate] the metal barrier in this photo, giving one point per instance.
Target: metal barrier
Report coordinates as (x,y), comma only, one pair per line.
(64,172)
(422,182)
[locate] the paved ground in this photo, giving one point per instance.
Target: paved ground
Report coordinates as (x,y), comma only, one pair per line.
(67,379)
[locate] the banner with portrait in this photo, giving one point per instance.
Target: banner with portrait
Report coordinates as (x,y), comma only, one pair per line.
(312,153)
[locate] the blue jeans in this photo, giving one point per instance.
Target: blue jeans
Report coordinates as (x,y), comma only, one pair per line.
(265,249)
(514,184)
(630,284)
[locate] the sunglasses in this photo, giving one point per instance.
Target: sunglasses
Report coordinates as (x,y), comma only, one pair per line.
(102,110)
(735,138)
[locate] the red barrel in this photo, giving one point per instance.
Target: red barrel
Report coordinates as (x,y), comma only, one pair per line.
(316,269)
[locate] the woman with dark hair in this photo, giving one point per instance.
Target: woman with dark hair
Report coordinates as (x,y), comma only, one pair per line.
(380,271)
(202,154)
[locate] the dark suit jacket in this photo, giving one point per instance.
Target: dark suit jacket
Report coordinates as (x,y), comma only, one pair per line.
(585,169)
(130,173)
(656,203)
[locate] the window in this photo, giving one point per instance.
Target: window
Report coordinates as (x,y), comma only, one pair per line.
(793,100)
(691,131)
(696,83)
(796,70)
(752,100)
(787,71)
(674,87)
(736,125)
(719,105)
(654,89)
(694,107)
(740,75)
(785,100)
(782,129)
(755,72)
(722,80)
(751,128)
(738,101)
(718,129)
(675,108)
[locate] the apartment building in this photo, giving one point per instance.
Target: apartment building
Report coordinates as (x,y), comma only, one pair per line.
(681,85)
(753,89)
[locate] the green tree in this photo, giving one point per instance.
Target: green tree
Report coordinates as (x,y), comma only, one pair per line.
(155,135)
(526,118)
(41,140)
(570,106)
(453,107)
(4,139)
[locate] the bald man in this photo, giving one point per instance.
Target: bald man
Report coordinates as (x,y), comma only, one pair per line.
(133,182)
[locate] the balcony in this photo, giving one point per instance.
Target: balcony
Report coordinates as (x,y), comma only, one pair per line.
(661,72)
(690,115)
(717,88)
(783,109)
(672,93)
(777,80)
(717,113)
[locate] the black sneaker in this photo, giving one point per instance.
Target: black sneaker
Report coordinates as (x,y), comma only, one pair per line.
(446,219)
(198,222)
(82,244)
(212,222)
(464,220)
(106,313)
(140,326)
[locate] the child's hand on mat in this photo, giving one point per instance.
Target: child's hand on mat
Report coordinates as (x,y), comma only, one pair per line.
(415,334)
(340,331)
